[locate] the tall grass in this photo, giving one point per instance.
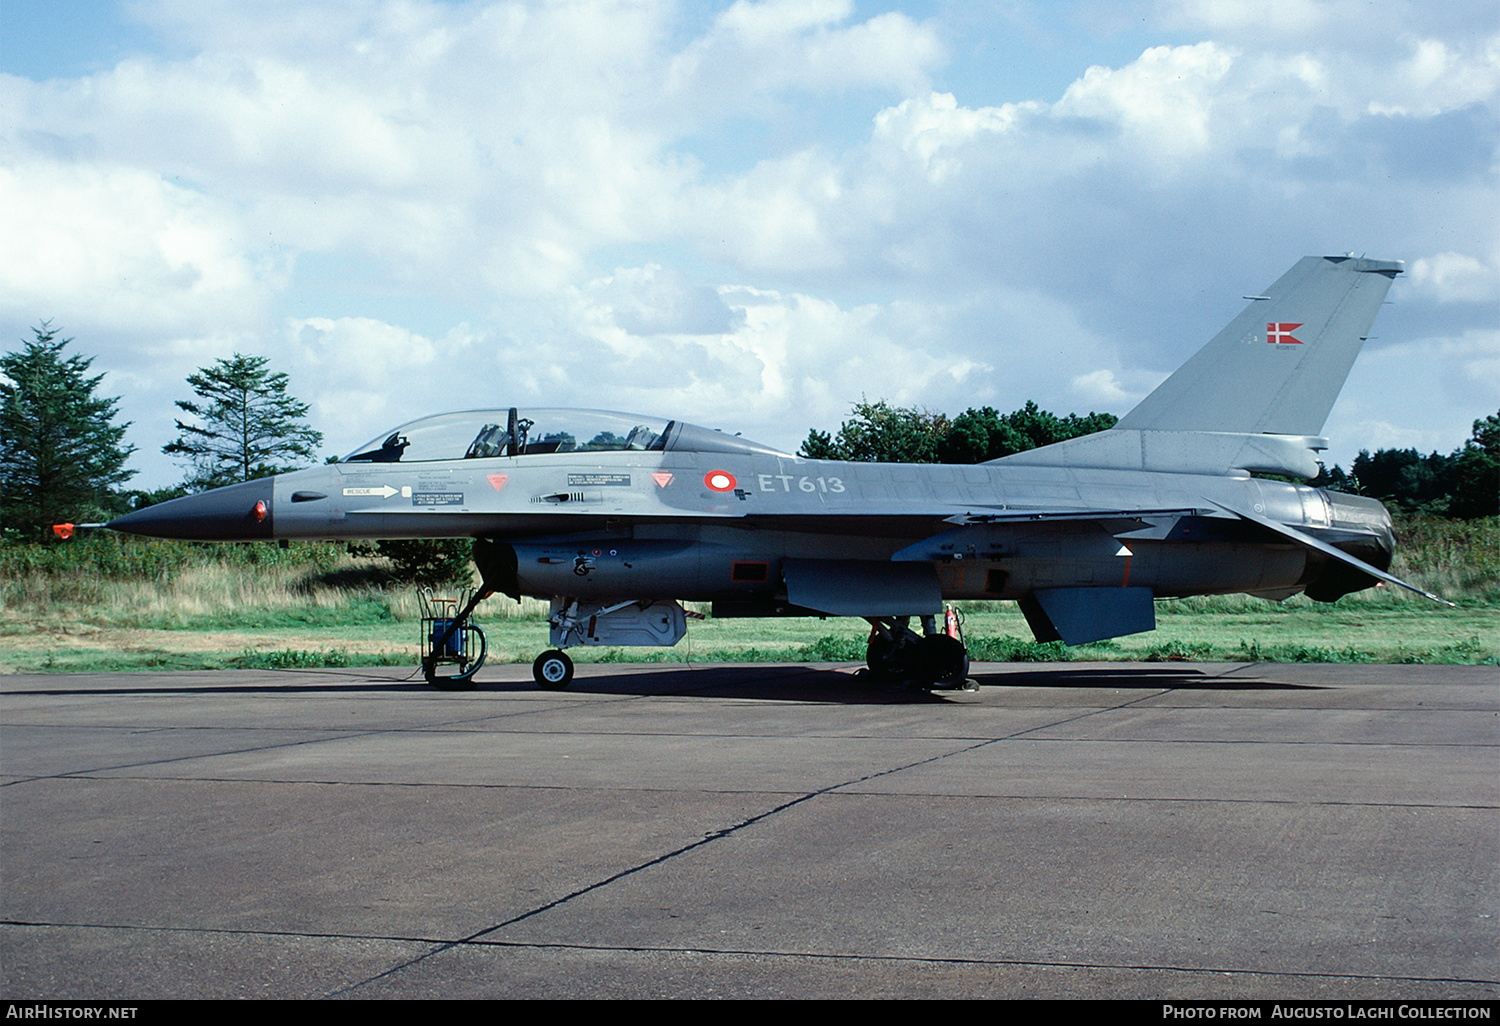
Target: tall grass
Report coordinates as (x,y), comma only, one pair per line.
(114,581)
(1458,559)
(108,580)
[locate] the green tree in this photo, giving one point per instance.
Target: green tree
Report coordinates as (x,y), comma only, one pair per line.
(1405,480)
(880,433)
(60,455)
(433,562)
(247,427)
(1476,490)
(983,434)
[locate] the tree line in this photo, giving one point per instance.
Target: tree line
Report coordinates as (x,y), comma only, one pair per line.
(1464,484)
(880,433)
(62,456)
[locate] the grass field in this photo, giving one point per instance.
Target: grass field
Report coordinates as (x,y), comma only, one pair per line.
(136,605)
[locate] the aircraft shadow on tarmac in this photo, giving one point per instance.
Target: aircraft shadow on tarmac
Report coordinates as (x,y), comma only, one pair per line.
(787,683)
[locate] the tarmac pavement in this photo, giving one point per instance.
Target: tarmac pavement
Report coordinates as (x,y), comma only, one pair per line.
(1161,831)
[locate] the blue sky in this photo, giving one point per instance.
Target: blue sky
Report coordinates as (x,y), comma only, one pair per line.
(748,215)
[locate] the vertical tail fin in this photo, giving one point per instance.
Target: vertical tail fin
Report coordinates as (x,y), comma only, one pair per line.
(1278,367)
(1255,398)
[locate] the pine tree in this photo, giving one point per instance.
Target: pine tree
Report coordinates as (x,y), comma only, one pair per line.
(248,426)
(60,455)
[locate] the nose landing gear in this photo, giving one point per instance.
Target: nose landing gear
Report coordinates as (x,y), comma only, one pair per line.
(553,670)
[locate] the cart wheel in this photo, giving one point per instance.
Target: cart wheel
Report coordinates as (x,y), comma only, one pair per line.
(467,672)
(462,680)
(553,670)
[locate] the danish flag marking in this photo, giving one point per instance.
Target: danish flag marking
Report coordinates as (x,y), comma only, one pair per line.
(1280,333)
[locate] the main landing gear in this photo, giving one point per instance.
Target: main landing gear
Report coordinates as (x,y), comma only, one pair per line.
(932,659)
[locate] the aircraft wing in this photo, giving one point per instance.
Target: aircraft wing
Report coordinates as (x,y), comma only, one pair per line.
(916,517)
(1022,516)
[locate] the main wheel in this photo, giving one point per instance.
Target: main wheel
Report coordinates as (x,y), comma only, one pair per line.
(889,656)
(553,670)
(939,659)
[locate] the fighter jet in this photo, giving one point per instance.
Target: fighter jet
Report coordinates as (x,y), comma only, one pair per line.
(618,518)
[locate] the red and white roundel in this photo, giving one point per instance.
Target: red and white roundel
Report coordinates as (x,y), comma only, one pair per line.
(720,480)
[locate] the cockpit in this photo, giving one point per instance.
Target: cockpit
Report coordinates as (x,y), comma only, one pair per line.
(483,434)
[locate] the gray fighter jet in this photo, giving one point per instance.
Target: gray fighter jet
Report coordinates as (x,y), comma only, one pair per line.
(619,518)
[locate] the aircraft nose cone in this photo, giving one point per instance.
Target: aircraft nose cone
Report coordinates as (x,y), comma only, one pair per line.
(241,512)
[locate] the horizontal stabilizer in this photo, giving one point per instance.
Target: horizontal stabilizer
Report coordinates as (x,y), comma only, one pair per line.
(1302,538)
(1076,616)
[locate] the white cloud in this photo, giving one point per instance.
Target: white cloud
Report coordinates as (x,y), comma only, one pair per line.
(654,300)
(754,50)
(1277,19)
(1166,98)
(931,128)
(94,244)
(1102,389)
(750,216)
(1424,395)
(770,21)
(1455,276)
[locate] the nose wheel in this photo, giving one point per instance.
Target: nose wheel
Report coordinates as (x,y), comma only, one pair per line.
(553,670)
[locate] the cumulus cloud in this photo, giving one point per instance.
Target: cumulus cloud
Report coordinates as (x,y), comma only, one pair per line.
(121,246)
(654,300)
(1456,276)
(365,372)
(749,216)
(759,49)
(931,129)
(1103,389)
(1454,380)
(1165,98)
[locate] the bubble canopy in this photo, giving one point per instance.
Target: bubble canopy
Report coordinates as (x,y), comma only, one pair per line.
(483,434)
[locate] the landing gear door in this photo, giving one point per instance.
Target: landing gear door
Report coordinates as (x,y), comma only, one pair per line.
(864,587)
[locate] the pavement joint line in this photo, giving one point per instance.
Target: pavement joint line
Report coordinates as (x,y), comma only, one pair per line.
(701,842)
(1021,734)
(341,736)
(206,755)
(448,945)
(940,795)
(1152,700)
(950,960)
